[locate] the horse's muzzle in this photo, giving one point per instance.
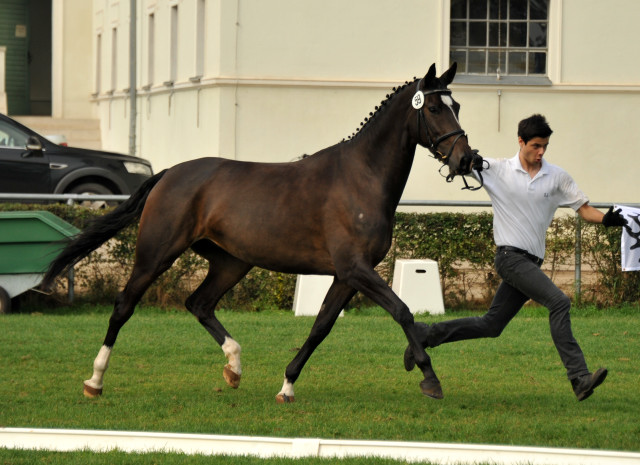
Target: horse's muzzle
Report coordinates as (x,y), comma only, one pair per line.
(470,161)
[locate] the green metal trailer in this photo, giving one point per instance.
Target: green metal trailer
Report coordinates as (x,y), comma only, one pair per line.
(29,241)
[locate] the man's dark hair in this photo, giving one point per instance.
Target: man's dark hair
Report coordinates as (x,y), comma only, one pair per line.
(534,126)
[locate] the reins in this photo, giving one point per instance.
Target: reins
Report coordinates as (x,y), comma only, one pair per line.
(478,162)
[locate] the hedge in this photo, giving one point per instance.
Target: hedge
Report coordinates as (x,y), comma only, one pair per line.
(461,243)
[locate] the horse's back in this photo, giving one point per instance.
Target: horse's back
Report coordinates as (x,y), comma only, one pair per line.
(270,214)
(243,184)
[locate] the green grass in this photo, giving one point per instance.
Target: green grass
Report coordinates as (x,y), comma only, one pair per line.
(119,457)
(165,375)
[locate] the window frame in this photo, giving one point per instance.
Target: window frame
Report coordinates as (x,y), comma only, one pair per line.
(504,79)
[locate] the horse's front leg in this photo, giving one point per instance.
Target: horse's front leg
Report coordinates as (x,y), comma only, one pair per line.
(366,280)
(337,297)
(430,385)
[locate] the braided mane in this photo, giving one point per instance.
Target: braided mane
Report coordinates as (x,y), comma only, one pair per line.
(377,110)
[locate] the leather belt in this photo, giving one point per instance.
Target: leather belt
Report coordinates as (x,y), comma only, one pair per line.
(507,248)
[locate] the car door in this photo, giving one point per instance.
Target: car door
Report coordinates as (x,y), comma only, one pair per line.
(22,170)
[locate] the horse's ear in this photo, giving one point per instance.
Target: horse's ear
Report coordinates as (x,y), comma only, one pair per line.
(430,76)
(447,76)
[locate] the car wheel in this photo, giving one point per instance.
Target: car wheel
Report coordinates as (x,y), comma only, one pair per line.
(93,188)
(5,302)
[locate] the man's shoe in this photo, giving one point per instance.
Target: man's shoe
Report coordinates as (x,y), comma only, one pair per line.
(584,385)
(409,361)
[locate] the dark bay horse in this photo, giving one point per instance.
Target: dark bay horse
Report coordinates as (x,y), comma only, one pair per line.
(330,213)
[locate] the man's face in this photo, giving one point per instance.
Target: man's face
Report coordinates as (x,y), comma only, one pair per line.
(533,151)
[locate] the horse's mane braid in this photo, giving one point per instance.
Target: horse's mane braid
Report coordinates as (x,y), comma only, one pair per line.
(378,109)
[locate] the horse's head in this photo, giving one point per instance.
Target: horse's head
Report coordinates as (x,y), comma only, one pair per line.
(438,126)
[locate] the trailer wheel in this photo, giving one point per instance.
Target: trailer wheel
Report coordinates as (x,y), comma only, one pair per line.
(5,302)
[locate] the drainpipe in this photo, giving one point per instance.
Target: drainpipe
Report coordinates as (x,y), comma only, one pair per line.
(132,77)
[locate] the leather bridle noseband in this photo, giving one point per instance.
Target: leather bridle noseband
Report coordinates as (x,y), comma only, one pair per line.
(418,102)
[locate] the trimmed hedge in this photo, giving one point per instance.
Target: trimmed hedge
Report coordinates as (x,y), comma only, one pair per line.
(461,243)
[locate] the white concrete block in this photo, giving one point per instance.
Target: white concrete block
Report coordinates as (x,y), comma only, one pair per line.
(310,293)
(417,283)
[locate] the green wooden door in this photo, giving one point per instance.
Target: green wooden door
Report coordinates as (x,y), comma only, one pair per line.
(14,34)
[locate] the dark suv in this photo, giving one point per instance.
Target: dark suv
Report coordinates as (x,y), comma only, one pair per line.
(31,164)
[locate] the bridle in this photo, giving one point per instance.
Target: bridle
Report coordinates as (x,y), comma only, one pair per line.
(418,101)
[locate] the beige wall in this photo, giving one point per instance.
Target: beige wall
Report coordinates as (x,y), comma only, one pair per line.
(287,77)
(333,39)
(600,42)
(72,59)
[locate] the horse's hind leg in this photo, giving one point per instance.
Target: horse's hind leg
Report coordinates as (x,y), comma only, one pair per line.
(224,272)
(338,296)
(144,272)
(122,311)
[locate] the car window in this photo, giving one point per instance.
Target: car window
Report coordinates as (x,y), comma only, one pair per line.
(12,137)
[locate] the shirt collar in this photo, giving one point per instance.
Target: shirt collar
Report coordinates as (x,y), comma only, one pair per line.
(516,165)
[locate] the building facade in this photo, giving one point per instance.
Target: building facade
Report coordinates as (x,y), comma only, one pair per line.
(270,80)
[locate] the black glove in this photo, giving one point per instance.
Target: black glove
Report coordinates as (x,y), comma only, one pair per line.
(613,218)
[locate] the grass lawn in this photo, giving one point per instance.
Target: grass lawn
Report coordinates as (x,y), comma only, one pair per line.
(119,457)
(166,375)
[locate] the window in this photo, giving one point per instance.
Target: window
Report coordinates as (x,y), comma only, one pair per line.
(500,39)
(173,71)
(151,38)
(12,137)
(98,82)
(114,59)
(200,40)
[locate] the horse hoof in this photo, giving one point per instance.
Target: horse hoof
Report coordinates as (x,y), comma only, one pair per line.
(91,392)
(284,399)
(231,377)
(431,389)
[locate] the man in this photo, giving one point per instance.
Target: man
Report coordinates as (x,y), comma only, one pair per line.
(525,192)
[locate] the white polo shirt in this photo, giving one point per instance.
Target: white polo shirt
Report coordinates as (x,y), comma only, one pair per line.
(523,208)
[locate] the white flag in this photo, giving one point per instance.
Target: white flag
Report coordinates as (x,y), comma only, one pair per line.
(630,238)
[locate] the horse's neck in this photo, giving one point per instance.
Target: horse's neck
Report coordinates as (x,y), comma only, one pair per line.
(389,150)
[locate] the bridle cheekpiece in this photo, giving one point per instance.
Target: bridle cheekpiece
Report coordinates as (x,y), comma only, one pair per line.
(418,102)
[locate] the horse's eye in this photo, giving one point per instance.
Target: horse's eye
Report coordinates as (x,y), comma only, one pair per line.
(434,109)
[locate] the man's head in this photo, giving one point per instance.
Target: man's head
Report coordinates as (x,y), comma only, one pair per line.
(533,136)
(534,126)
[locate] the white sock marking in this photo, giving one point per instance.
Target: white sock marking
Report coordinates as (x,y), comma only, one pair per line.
(287,389)
(100,365)
(232,351)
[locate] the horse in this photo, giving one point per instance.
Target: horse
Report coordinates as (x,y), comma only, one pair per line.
(330,213)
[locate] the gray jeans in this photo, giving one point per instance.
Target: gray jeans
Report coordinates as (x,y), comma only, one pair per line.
(522,280)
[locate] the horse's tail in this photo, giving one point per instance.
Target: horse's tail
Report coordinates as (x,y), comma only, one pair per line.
(100,230)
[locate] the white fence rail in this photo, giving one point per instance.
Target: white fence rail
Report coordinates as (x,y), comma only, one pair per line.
(294,448)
